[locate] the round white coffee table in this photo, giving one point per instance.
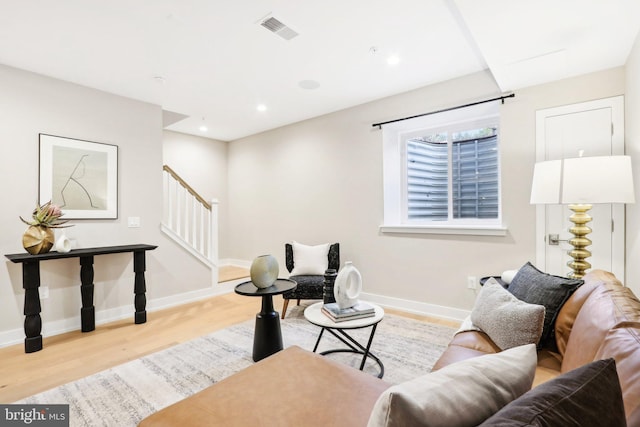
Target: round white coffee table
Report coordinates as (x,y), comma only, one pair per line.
(314,314)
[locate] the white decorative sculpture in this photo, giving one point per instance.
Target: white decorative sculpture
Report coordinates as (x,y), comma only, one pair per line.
(63,244)
(348,285)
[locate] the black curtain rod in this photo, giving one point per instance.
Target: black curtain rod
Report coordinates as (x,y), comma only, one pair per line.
(500,98)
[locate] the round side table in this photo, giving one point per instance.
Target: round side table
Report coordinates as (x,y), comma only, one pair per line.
(267,336)
(314,314)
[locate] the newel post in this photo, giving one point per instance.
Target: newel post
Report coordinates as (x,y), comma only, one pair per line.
(213,240)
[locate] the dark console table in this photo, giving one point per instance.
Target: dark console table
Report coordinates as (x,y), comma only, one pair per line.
(31,283)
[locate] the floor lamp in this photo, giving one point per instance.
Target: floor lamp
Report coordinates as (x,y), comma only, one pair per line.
(580,183)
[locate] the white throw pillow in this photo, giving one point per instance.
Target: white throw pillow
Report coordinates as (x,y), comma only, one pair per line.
(462,394)
(508,321)
(309,260)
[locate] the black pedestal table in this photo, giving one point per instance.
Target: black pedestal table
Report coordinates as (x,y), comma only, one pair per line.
(267,338)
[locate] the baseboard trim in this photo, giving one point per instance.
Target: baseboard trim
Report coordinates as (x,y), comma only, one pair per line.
(56,327)
(416,307)
(16,336)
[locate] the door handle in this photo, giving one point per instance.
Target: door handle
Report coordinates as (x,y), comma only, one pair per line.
(554,239)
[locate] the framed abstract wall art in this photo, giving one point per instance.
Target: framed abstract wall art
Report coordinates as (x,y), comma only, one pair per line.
(79,176)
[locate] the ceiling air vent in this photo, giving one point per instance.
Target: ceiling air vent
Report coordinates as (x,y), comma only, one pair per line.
(277,27)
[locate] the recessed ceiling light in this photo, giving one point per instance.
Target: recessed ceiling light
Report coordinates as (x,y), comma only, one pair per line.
(203,127)
(261,107)
(309,84)
(393,60)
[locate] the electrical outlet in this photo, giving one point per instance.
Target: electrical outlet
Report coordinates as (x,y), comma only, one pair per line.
(471,282)
(133,222)
(44,292)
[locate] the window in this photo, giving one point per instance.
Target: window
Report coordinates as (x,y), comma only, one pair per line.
(461,164)
(443,173)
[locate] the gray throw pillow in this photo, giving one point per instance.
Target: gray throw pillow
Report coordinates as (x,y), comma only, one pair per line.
(589,396)
(508,321)
(462,394)
(535,287)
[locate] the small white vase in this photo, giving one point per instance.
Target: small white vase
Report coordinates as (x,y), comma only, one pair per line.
(264,271)
(348,285)
(63,244)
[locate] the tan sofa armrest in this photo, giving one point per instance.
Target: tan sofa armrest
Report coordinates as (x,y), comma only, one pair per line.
(465,345)
(292,387)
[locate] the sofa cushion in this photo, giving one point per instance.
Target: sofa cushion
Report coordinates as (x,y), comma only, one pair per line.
(309,259)
(508,321)
(585,397)
(462,394)
(535,287)
(549,365)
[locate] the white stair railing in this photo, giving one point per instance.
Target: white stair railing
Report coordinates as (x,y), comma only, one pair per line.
(189,219)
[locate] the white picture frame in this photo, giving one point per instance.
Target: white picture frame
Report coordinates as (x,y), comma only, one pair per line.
(81,177)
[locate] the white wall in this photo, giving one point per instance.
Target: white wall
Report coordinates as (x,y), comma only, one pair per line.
(321,181)
(202,163)
(315,181)
(632,147)
(31,104)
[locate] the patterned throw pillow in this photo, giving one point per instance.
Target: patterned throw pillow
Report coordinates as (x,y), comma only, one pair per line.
(535,287)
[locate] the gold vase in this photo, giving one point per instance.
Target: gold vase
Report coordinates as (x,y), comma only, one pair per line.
(38,239)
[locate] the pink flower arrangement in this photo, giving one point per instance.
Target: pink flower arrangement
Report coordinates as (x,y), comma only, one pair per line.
(47,215)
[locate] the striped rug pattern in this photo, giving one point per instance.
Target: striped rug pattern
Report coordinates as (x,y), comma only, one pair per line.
(125,394)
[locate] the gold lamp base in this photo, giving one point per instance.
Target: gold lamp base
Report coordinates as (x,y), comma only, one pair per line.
(579,218)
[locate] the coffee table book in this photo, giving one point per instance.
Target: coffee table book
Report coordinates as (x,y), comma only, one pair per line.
(358,311)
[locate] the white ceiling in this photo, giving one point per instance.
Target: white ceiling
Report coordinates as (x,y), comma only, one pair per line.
(211,61)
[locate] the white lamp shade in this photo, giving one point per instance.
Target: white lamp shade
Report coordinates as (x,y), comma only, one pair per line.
(583,180)
(545,188)
(602,179)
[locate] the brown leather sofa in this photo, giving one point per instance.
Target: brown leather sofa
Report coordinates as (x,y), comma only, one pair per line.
(600,320)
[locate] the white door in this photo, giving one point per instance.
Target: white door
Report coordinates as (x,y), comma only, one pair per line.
(595,128)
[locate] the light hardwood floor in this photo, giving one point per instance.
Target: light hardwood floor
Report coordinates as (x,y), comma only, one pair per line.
(232,272)
(68,357)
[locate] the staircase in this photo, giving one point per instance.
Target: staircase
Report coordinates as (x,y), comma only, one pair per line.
(189,220)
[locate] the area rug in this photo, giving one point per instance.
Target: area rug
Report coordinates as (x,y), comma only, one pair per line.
(124,395)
